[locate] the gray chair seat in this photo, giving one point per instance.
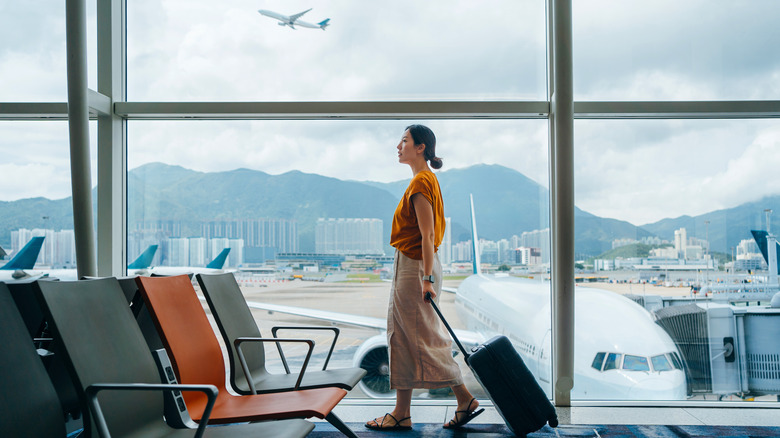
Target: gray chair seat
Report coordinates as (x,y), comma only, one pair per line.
(235,320)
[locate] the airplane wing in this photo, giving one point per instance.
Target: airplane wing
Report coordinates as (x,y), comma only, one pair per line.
(467,338)
(324,315)
(295,17)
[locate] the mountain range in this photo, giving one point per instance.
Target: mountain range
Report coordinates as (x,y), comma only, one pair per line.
(506,202)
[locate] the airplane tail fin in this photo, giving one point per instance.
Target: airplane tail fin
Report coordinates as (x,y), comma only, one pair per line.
(760,237)
(145,259)
(219,260)
(474,240)
(324,23)
(26,257)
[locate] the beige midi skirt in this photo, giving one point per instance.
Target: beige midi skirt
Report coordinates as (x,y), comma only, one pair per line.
(419,345)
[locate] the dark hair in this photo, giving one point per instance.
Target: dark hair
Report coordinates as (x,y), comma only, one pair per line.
(422,134)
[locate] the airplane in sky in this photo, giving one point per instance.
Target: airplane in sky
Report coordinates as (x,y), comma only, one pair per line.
(620,352)
(293,20)
(213,267)
(22,261)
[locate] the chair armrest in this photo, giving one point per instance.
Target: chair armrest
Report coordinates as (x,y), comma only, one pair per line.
(245,367)
(100,421)
(335,331)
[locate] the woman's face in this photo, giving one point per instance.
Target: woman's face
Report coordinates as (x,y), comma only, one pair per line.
(407,152)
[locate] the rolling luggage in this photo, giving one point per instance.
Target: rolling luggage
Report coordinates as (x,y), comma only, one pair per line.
(514,391)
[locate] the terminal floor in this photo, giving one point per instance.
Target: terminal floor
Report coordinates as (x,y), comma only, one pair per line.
(575,421)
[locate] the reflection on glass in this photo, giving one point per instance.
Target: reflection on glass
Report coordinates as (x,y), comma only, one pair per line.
(676,233)
(305,208)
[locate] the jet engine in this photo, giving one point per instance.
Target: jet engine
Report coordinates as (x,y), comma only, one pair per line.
(373,357)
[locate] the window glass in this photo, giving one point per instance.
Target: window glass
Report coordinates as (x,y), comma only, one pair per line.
(32,51)
(666,212)
(598,361)
(306,209)
(205,50)
(35,197)
(661,363)
(671,50)
(635,363)
(613,361)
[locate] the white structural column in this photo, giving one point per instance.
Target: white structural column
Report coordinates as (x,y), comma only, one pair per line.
(111,144)
(78,126)
(562,197)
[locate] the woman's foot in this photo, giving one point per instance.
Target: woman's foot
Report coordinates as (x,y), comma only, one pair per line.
(389,422)
(464,414)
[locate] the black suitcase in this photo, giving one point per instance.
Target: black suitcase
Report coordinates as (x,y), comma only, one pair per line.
(514,391)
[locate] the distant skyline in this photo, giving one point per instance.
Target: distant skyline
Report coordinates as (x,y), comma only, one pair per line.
(634,170)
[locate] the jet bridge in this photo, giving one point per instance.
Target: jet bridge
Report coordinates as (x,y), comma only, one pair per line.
(727,349)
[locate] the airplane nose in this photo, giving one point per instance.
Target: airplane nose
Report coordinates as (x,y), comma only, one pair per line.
(655,388)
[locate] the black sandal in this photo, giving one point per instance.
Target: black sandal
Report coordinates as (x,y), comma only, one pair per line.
(396,426)
(469,415)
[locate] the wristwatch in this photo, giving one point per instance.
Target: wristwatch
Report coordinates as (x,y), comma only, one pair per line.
(429,278)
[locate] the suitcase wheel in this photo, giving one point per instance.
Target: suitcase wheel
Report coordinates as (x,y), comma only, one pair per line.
(553,422)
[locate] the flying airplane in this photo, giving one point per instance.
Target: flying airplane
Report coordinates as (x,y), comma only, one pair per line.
(293,20)
(22,261)
(620,352)
(214,267)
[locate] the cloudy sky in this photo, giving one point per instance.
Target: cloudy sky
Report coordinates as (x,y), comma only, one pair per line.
(197,50)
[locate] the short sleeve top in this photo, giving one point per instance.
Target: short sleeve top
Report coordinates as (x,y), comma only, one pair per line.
(405,235)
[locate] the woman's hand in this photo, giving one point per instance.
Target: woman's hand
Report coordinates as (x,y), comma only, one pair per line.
(428,288)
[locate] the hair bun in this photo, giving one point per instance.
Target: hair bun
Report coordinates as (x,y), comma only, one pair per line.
(436,162)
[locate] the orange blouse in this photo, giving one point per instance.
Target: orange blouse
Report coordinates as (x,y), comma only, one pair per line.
(405,235)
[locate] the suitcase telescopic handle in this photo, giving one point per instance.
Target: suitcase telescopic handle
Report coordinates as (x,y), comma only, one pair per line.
(429,299)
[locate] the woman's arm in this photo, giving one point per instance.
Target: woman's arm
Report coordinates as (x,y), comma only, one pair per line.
(424,212)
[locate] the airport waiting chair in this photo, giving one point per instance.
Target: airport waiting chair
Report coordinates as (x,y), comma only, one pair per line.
(29,405)
(235,321)
(196,356)
(107,354)
(23,295)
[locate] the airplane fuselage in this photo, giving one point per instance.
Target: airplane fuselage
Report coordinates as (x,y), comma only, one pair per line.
(605,323)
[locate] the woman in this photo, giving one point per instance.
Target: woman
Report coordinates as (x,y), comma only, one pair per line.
(420,350)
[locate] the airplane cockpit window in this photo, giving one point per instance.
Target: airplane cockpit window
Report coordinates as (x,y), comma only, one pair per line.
(661,363)
(598,361)
(635,363)
(676,361)
(612,362)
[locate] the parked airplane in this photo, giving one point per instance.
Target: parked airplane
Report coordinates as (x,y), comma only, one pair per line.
(214,267)
(293,20)
(22,261)
(620,353)
(142,262)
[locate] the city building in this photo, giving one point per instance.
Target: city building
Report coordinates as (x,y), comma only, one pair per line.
(349,236)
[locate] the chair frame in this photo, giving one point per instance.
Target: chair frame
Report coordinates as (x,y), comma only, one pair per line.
(239,350)
(100,420)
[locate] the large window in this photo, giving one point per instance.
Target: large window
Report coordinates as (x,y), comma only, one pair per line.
(278,193)
(672,50)
(676,202)
(264,139)
(400,50)
(35,197)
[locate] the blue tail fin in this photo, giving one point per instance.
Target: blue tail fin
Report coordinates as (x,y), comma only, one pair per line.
(760,237)
(474,240)
(145,259)
(324,23)
(219,260)
(26,257)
